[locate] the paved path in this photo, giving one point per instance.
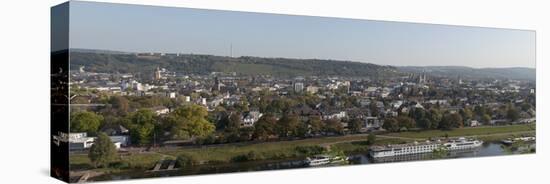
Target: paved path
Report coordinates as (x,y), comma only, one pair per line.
(84,178)
(171,165)
(159,164)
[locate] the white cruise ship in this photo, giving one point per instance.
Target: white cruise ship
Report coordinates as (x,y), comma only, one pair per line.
(462,144)
(320,160)
(424,147)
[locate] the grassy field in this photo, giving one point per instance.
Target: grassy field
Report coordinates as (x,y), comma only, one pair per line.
(351,143)
(287,149)
(217,154)
(268,150)
(141,161)
(470,131)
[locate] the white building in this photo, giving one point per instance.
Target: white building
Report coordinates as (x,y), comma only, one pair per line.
(335,115)
(373,123)
(298,87)
(312,89)
(160,110)
(171,94)
(81,141)
(250,118)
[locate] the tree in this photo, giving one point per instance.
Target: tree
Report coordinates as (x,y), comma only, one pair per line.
(120,104)
(355,125)
(371,139)
(374,108)
(425,123)
(142,125)
(315,124)
(265,127)
(302,129)
(84,121)
(103,151)
(435,117)
(480,110)
(334,126)
(189,121)
(450,121)
(235,122)
(486,119)
(512,113)
(417,113)
(185,160)
(526,106)
(288,125)
(245,133)
(232,130)
(391,124)
(466,113)
(406,122)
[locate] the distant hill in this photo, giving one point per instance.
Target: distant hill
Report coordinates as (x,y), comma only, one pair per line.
(517,73)
(96,51)
(102,61)
(126,62)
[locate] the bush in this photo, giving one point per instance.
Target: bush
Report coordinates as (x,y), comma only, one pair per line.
(119,165)
(310,150)
(210,139)
(250,156)
(371,139)
(103,151)
(206,140)
(186,160)
(361,150)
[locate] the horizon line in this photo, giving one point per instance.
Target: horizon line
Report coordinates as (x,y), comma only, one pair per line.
(341,60)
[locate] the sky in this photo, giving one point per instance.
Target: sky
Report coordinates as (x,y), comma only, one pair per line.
(139,28)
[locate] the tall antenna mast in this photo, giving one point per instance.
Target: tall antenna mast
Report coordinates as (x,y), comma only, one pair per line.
(231,50)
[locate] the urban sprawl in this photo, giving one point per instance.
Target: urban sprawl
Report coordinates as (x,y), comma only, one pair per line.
(174,109)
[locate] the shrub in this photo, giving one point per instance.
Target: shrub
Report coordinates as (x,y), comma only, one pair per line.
(250,156)
(186,160)
(119,165)
(371,139)
(310,150)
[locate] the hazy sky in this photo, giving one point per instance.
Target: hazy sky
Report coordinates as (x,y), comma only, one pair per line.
(162,29)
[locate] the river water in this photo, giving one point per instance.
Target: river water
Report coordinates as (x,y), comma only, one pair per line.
(488,149)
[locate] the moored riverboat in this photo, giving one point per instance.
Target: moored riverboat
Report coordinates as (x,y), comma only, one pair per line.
(423,147)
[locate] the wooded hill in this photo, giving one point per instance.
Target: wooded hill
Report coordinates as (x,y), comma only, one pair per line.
(205,64)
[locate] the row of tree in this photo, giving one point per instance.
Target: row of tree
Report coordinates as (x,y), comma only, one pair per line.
(145,126)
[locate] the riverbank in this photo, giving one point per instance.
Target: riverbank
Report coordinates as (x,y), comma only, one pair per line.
(484,131)
(285,150)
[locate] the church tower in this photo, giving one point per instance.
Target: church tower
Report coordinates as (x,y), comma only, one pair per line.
(158,75)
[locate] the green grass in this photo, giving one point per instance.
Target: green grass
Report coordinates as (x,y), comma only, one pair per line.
(501,137)
(142,161)
(268,150)
(79,162)
(214,154)
(470,131)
